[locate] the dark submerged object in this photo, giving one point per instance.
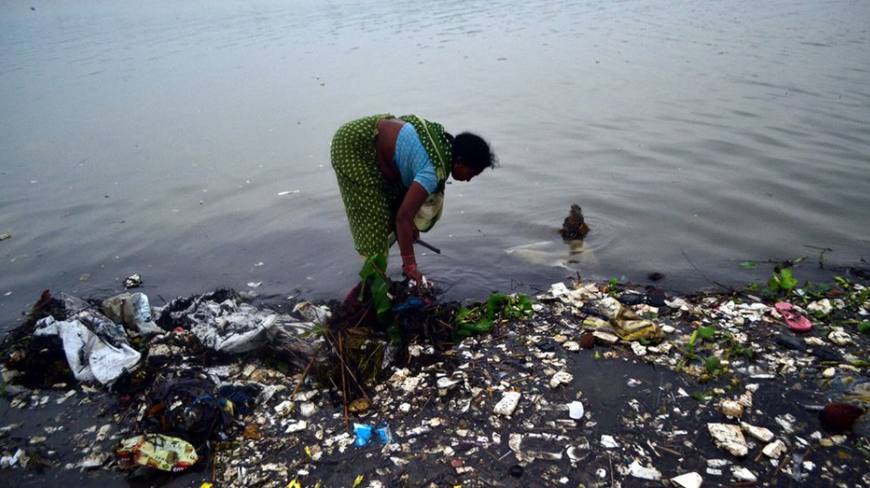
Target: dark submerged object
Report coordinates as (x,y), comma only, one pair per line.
(839,417)
(574,227)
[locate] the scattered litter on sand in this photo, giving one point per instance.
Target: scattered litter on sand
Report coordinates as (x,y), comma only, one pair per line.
(710,388)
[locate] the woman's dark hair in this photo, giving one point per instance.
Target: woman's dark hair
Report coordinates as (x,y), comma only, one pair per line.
(471,150)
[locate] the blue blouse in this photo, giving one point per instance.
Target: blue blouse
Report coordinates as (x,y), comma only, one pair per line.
(412,161)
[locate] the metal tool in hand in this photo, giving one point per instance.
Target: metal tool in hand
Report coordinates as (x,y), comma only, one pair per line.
(428,246)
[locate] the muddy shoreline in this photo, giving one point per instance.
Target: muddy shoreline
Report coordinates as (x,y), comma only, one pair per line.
(647,404)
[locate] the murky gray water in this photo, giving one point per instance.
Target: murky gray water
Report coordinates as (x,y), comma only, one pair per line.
(155,137)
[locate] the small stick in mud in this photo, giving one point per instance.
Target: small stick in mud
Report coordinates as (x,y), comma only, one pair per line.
(302,380)
(343,384)
(610,459)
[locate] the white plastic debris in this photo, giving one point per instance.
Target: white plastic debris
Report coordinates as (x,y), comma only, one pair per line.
(640,471)
(445,383)
(742,474)
(605,337)
(638,349)
(307,409)
(774,450)
(313,313)
(688,480)
(102,354)
(296,427)
(728,437)
(508,403)
(133,281)
(745,399)
(760,433)
(103,433)
(786,422)
(576,410)
(92,461)
(731,408)
(133,310)
(18,458)
(236,327)
(822,307)
(561,378)
(284,408)
(544,446)
(608,442)
(609,307)
(558,289)
(839,337)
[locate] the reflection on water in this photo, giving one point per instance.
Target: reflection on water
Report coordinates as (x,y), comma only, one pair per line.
(157,137)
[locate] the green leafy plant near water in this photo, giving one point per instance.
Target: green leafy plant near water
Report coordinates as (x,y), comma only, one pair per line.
(481,318)
(712,364)
(374,273)
(782,282)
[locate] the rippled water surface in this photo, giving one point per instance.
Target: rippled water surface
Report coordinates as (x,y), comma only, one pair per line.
(155,137)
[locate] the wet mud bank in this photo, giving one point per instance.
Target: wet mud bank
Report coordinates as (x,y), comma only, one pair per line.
(586,384)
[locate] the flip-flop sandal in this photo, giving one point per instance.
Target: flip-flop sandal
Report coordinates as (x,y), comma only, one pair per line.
(794,320)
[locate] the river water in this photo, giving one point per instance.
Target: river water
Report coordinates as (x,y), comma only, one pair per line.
(155,137)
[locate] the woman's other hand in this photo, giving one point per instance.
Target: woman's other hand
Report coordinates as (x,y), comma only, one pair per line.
(411,271)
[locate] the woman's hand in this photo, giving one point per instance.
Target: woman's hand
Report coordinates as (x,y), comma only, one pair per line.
(411,271)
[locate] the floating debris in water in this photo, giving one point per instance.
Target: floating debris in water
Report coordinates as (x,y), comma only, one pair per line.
(133,281)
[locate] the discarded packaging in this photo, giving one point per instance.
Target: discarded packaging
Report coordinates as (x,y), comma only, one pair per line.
(507,404)
(644,472)
(95,351)
(133,281)
(742,474)
(774,450)
(728,437)
(132,310)
(157,451)
(688,480)
(575,410)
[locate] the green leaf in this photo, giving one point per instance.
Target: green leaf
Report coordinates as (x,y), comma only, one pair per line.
(784,281)
(748,265)
(787,279)
(864,327)
(693,338)
(712,364)
(374,274)
(701,396)
(706,332)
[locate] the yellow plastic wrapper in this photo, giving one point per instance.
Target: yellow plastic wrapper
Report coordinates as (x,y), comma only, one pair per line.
(157,451)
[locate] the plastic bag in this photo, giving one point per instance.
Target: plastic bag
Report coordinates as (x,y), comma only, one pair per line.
(157,451)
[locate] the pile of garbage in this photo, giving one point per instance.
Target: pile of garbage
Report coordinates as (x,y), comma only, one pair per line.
(598,384)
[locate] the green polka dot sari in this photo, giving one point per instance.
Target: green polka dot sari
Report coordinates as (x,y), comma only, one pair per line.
(371,202)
